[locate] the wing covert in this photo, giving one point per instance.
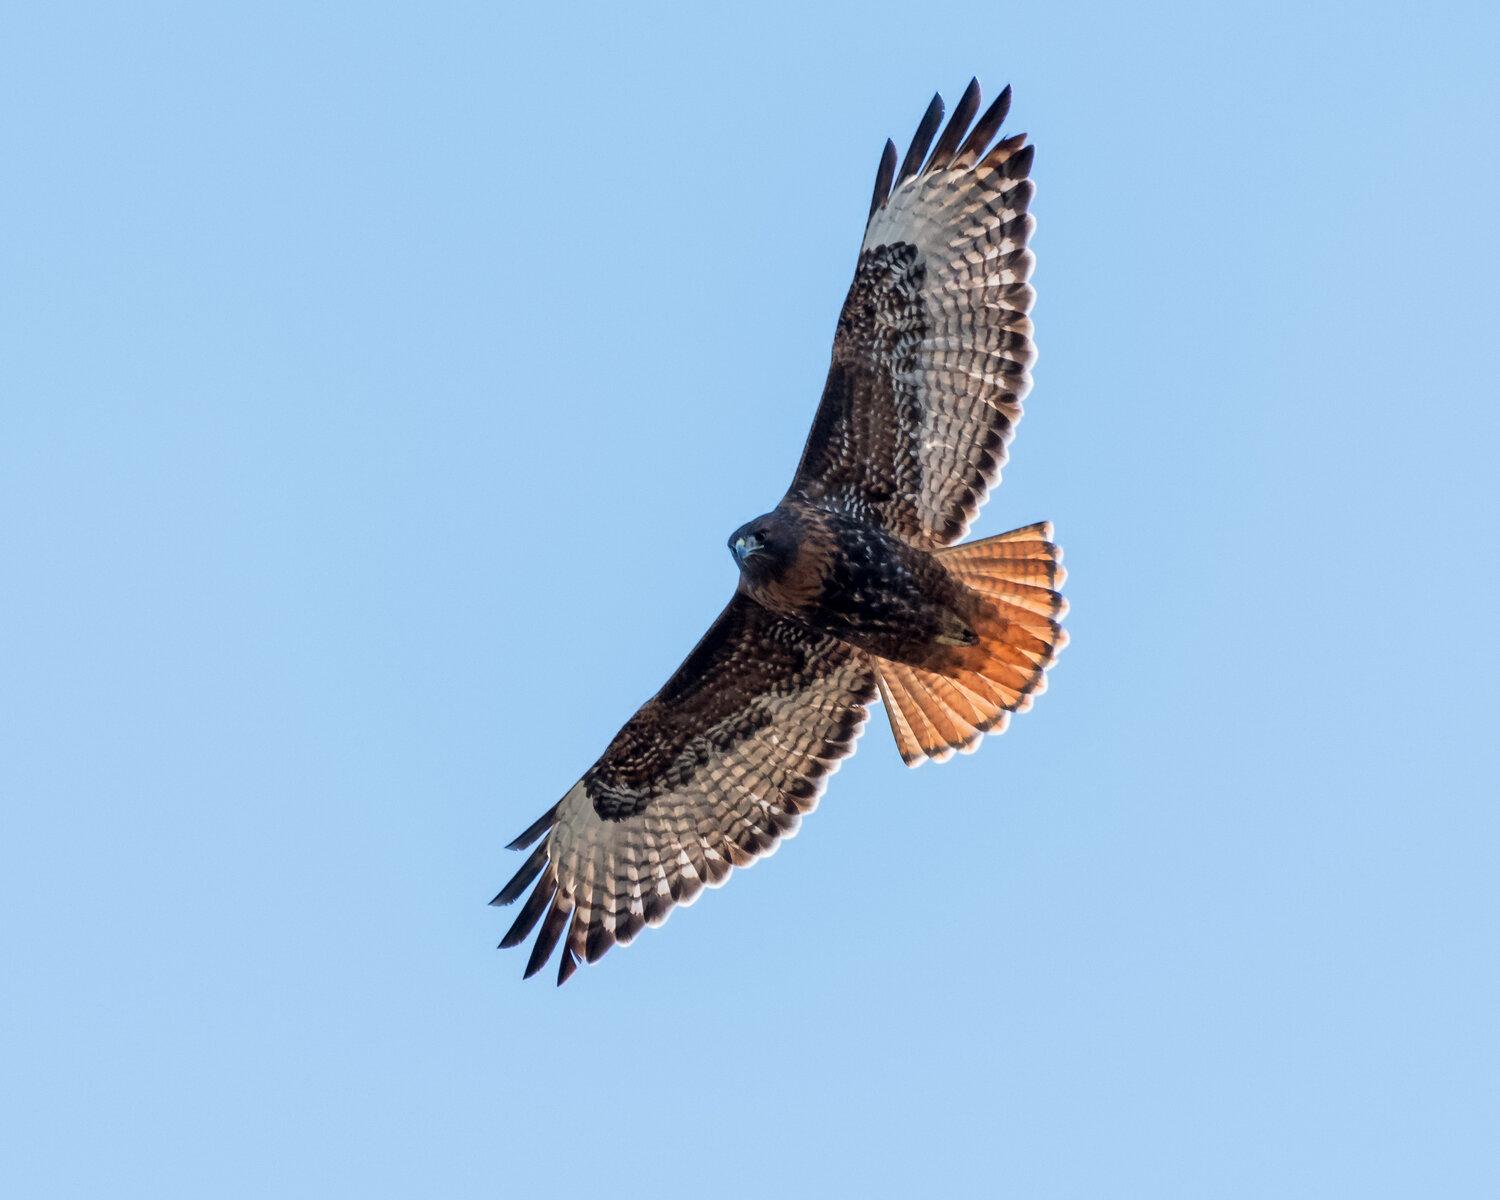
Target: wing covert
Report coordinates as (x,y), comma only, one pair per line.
(933,349)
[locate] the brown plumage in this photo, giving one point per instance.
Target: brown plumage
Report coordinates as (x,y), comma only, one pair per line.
(852,585)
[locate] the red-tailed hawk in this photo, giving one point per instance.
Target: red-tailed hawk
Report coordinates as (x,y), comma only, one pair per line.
(851,585)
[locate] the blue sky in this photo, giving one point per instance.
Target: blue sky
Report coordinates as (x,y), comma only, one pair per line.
(379,386)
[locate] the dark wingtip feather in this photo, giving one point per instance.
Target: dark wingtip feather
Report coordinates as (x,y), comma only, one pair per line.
(1018,166)
(535,829)
(597,942)
(566,965)
(984,129)
(958,125)
(629,924)
(883,176)
(530,913)
(522,878)
(920,140)
(546,940)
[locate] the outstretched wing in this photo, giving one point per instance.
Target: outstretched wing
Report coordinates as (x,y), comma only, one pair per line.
(932,354)
(707,776)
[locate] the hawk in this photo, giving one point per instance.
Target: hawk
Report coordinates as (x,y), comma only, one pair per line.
(852,586)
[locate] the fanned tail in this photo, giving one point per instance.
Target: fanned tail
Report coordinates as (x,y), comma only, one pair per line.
(1015,579)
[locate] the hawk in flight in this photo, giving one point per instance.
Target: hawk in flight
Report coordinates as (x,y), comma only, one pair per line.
(852,585)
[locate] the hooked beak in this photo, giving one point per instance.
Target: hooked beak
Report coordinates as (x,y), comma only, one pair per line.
(746,545)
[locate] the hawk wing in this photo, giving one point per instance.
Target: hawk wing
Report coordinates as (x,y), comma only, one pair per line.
(932,354)
(707,776)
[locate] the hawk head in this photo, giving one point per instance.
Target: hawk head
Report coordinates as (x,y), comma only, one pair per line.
(764,547)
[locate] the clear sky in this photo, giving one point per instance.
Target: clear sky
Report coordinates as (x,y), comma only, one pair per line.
(379,386)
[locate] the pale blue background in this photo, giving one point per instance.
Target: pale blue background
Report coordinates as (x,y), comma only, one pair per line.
(379,386)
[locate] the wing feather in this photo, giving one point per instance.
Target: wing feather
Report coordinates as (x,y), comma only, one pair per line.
(531,912)
(984,130)
(916,152)
(958,125)
(884,174)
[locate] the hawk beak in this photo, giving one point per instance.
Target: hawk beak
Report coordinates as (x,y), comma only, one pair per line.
(744,547)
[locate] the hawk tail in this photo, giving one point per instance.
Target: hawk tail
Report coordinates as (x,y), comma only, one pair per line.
(1014,578)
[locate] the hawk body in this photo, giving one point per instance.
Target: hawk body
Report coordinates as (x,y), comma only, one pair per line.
(859,583)
(852,587)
